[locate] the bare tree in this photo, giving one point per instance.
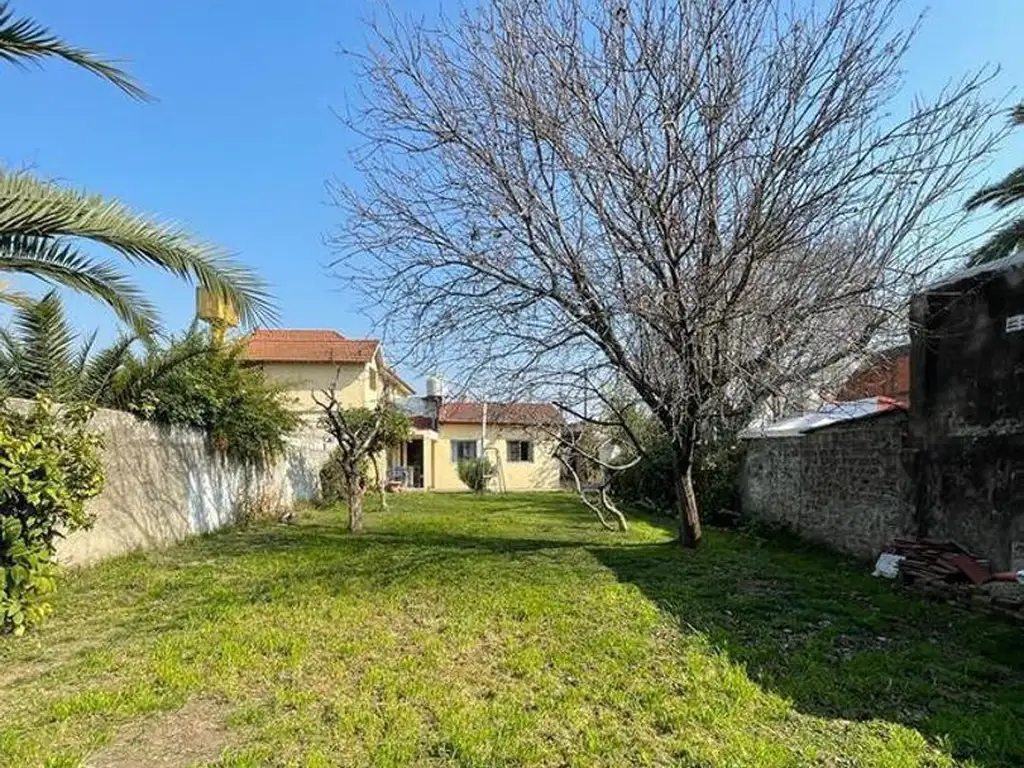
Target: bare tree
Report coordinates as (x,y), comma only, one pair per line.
(714,201)
(582,450)
(361,434)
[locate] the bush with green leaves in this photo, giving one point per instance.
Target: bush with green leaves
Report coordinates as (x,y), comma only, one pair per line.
(210,388)
(649,482)
(475,473)
(333,486)
(49,468)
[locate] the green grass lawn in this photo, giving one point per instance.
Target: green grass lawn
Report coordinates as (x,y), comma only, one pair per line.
(502,631)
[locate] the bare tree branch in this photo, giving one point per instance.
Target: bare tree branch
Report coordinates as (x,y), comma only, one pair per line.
(713,203)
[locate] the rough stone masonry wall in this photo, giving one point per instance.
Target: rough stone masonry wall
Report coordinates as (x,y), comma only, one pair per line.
(844,485)
(163,484)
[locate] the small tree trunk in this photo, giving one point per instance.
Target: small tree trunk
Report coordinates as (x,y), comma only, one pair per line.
(354,492)
(380,484)
(686,499)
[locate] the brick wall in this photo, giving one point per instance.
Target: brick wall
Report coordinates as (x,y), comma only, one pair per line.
(844,485)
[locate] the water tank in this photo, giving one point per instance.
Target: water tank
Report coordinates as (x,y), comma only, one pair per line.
(434,387)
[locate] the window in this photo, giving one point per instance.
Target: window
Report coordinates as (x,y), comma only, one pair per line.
(520,450)
(463,450)
(373,379)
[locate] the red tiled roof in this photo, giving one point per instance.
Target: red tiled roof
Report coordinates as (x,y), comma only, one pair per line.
(295,346)
(499,413)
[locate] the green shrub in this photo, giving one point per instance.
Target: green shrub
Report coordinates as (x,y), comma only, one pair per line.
(211,389)
(333,488)
(716,478)
(474,473)
(258,506)
(50,468)
(651,481)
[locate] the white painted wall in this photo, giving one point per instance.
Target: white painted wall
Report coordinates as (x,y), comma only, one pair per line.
(163,484)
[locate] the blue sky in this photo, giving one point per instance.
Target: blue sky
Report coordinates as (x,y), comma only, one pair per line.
(242,139)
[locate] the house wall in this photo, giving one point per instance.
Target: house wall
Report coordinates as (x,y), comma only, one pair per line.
(539,475)
(845,485)
(163,484)
(300,380)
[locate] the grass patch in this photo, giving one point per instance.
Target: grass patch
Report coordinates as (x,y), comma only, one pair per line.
(505,631)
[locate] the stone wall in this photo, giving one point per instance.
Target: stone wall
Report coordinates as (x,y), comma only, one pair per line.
(163,484)
(843,485)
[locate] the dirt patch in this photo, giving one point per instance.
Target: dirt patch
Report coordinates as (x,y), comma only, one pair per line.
(195,733)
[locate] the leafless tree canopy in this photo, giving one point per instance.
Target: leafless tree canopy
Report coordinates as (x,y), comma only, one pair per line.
(714,201)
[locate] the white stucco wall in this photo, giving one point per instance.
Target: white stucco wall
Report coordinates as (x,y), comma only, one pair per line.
(163,484)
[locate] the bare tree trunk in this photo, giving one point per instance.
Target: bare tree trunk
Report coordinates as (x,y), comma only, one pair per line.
(686,499)
(380,484)
(354,492)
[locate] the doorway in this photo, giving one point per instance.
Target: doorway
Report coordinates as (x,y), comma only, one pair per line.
(414,462)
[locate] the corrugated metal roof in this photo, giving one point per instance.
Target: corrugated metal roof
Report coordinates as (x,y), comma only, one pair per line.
(826,416)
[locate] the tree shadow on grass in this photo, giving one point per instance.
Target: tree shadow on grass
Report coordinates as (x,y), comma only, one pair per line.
(816,629)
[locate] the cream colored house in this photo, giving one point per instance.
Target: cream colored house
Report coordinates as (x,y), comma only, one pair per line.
(306,362)
(515,437)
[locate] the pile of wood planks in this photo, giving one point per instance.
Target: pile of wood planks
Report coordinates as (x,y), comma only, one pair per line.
(934,561)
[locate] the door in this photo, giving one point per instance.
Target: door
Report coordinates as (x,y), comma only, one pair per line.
(414,460)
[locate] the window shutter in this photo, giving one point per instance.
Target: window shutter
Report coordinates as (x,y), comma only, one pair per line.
(455,452)
(529,450)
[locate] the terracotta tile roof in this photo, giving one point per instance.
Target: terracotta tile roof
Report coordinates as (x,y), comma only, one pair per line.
(499,413)
(296,346)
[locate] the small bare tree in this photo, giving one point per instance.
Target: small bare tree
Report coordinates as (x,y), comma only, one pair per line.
(583,450)
(361,435)
(714,201)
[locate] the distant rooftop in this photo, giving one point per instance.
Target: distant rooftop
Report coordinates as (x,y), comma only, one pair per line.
(499,413)
(307,346)
(826,416)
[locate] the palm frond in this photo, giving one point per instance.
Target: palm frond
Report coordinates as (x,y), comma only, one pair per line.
(30,207)
(1006,192)
(81,359)
(46,341)
(139,375)
(10,360)
(24,40)
(1002,243)
(97,381)
(59,262)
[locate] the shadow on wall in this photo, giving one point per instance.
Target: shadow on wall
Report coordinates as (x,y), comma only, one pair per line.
(164,483)
(844,645)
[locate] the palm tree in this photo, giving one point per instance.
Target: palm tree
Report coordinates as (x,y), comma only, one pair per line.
(42,224)
(1000,195)
(40,353)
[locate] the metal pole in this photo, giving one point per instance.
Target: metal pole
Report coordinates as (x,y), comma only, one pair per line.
(483,431)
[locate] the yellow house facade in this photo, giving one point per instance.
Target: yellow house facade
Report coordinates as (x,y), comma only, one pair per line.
(513,439)
(517,438)
(306,363)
